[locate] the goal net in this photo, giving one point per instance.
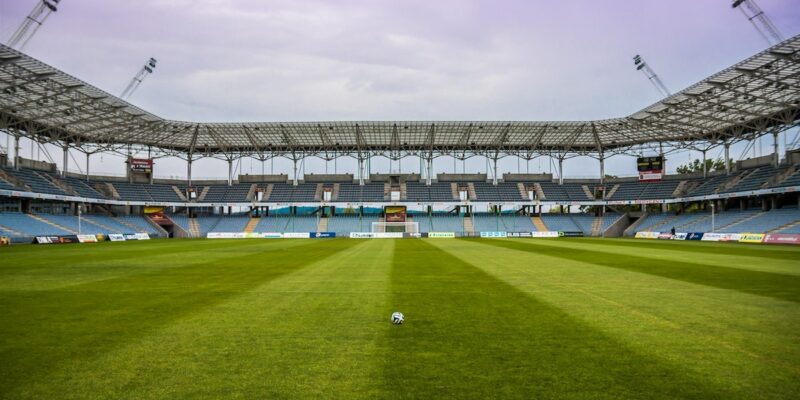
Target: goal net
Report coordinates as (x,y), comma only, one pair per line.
(407,227)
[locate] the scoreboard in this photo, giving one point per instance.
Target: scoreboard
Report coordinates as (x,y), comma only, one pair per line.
(650,168)
(395,213)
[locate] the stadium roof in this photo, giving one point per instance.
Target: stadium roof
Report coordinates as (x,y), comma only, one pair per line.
(746,100)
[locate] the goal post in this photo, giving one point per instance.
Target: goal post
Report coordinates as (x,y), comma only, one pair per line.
(405,227)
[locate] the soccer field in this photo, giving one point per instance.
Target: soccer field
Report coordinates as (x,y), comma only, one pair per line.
(491,318)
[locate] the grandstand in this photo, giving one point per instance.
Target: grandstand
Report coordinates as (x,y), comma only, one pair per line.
(755,195)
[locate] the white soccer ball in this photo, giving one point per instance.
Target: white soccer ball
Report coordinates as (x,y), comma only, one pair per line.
(398,318)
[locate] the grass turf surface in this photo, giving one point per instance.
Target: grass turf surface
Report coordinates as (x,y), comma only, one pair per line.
(527,318)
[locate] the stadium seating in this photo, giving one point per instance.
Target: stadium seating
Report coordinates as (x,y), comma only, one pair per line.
(344,224)
(287,223)
(560,222)
(502,222)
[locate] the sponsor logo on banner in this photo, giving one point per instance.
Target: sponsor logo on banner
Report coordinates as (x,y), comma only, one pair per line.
(412,235)
(680,236)
(271,235)
(494,234)
(322,235)
(56,239)
(570,234)
(520,234)
(116,237)
(720,237)
(751,238)
(441,234)
(694,236)
(87,238)
(376,235)
(782,238)
(296,235)
(647,235)
(545,234)
(664,236)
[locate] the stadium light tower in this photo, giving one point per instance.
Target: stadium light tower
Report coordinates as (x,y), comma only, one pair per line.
(638,61)
(32,23)
(760,21)
(147,69)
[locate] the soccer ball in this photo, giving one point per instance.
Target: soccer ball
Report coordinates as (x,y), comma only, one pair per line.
(398,318)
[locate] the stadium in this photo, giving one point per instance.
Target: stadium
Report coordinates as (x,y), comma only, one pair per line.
(513,283)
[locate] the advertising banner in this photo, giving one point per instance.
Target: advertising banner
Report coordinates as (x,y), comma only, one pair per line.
(782,238)
(141,165)
(57,239)
(116,237)
(296,235)
(87,238)
(415,234)
(546,234)
(142,236)
(694,236)
(520,234)
(570,234)
(751,238)
(271,235)
(664,236)
(442,235)
(5,241)
(680,236)
(494,234)
(322,235)
(720,237)
(376,235)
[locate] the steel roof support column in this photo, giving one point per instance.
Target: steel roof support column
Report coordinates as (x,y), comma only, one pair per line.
(230,172)
(776,155)
(602,169)
(727,146)
(16,153)
(560,170)
(87,165)
(294,177)
(494,167)
(189,171)
(360,171)
(66,161)
(428,177)
(705,169)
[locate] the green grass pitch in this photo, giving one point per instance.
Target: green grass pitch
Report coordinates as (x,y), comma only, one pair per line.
(491,318)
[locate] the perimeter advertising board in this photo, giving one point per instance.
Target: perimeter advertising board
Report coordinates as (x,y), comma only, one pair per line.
(781,238)
(442,235)
(494,234)
(751,238)
(116,237)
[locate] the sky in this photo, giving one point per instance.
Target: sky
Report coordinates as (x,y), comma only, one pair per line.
(308,60)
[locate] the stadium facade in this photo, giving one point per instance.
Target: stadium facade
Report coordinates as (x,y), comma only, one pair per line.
(756,97)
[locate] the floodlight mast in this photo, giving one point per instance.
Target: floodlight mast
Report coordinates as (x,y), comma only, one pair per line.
(32,23)
(147,69)
(641,65)
(760,21)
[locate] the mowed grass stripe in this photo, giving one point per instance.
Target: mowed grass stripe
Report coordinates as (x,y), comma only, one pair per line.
(32,267)
(778,286)
(470,335)
(748,258)
(741,341)
(44,330)
(700,247)
(311,333)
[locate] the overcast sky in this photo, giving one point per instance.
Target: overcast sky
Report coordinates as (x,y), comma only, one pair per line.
(304,60)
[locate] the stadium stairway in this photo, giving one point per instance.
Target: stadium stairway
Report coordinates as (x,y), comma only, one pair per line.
(790,225)
(597,226)
(322,225)
(469,227)
(539,224)
(251,224)
(51,223)
(194,227)
(12,231)
(738,221)
(97,223)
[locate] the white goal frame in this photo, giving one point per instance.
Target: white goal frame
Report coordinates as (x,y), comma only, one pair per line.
(409,226)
